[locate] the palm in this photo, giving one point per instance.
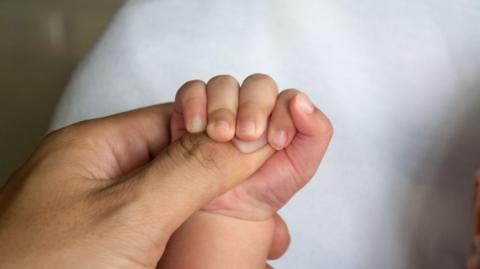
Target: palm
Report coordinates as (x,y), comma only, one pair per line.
(266,191)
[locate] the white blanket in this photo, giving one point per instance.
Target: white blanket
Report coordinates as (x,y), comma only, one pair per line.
(400,81)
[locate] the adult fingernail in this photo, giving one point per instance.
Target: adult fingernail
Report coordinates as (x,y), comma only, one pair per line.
(195,125)
(279,140)
(304,104)
(247,128)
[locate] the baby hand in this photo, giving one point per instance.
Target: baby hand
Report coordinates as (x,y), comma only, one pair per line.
(254,114)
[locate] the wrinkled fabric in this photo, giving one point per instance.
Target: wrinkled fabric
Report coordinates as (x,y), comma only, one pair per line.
(400,81)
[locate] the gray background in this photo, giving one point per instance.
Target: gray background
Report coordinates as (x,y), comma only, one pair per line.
(40,44)
(398,79)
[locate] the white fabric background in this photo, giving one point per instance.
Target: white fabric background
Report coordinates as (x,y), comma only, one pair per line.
(400,81)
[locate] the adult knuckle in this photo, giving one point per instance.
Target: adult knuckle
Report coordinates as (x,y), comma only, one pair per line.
(187,145)
(204,153)
(198,151)
(200,157)
(179,152)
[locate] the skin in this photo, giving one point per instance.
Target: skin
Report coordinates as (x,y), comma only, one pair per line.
(289,114)
(298,131)
(110,192)
(474,260)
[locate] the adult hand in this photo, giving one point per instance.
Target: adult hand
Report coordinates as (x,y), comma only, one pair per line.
(108,193)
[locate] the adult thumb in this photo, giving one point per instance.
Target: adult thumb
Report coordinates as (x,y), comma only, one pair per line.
(192,171)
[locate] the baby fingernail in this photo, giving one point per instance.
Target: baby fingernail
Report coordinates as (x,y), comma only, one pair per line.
(279,139)
(195,125)
(221,125)
(304,104)
(247,128)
